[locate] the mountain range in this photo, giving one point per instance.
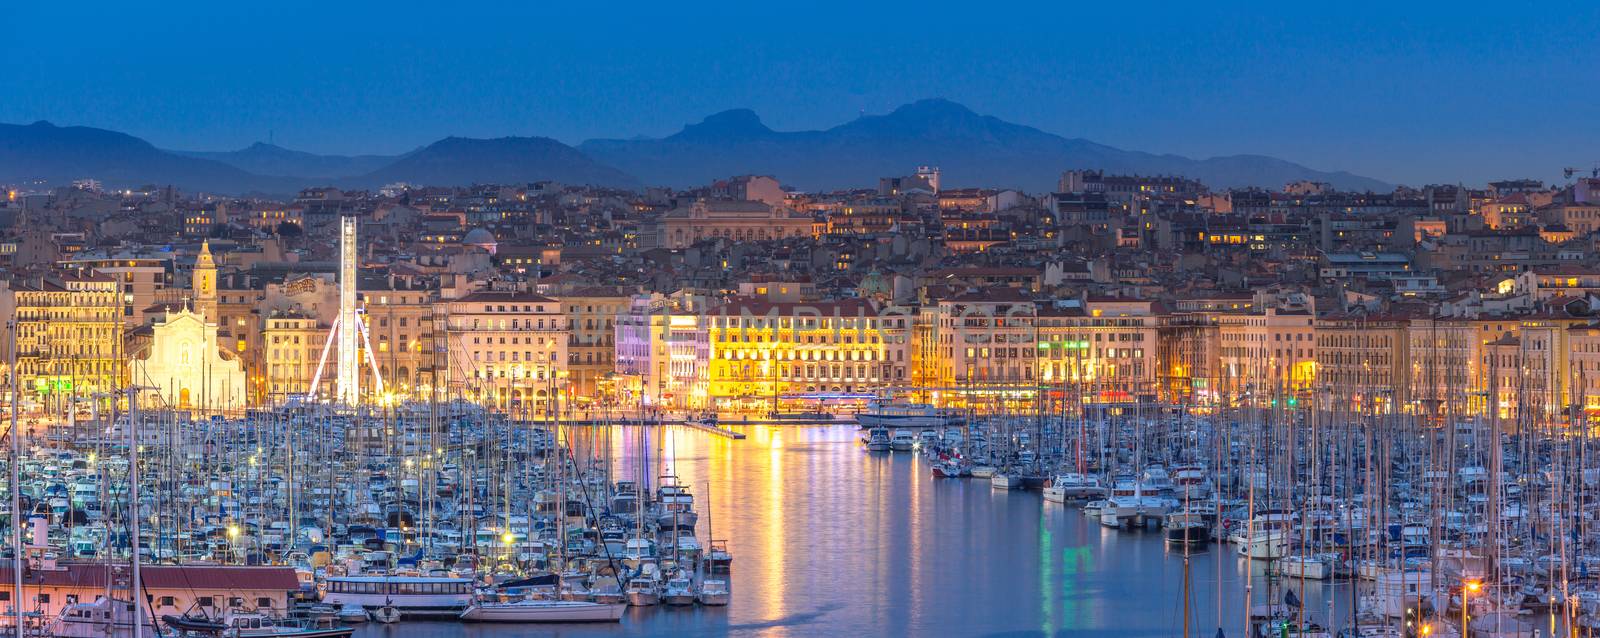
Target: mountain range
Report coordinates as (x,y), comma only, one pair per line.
(970,149)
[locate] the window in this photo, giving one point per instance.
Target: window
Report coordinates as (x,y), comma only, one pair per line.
(204,601)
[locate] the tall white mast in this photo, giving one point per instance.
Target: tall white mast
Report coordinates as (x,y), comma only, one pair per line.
(16,492)
(348,388)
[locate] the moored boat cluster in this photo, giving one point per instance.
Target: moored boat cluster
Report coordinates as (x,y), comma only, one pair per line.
(419,512)
(1431,526)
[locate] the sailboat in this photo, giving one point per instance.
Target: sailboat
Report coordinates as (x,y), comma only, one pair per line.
(540,610)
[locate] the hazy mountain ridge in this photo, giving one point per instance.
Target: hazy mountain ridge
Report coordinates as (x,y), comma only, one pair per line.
(43,152)
(60,154)
(971,149)
(464,160)
(262,158)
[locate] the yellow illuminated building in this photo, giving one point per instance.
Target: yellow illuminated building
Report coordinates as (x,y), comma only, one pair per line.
(762,352)
(69,333)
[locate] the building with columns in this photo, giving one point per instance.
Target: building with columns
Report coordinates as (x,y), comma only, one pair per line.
(187,365)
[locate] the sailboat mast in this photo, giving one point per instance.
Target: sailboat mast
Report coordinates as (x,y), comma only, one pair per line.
(16,493)
(133,509)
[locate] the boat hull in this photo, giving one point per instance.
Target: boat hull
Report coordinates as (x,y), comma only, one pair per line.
(1005,482)
(552,612)
(713,599)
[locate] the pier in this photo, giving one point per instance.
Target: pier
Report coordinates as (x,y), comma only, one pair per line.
(714,430)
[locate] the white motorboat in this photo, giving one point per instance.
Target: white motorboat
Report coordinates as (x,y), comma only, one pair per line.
(1396,591)
(1006,480)
(1267,544)
(250,625)
(1313,567)
(387,614)
(1130,501)
(714,591)
(97,619)
(902,440)
(917,416)
(643,591)
(984,471)
(878,440)
(541,611)
(679,590)
(677,505)
(1073,486)
(1191,482)
(352,613)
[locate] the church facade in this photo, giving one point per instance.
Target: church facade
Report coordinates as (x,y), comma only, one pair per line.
(187,365)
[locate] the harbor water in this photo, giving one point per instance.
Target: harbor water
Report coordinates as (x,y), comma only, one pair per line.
(831,540)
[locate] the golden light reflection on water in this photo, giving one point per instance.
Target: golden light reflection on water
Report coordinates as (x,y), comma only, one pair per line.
(831,540)
(773,554)
(915,531)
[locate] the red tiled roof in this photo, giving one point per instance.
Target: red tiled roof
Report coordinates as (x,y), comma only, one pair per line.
(196,577)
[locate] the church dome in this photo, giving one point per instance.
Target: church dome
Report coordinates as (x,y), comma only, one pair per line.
(479,237)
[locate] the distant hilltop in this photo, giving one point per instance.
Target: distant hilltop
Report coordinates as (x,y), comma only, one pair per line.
(972,149)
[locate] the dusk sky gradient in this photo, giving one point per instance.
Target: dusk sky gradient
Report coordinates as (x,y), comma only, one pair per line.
(1409,93)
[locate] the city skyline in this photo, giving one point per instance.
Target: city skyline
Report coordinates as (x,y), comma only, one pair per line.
(946,319)
(1406,98)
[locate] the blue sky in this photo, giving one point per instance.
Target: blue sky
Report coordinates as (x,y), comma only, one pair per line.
(1404,92)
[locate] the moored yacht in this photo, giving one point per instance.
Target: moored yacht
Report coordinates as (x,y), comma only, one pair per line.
(1265,544)
(679,590)
(1187,528)
(1073,486)
(1007,479)
(714,591)
(1312,566)
(916,416)
(411,596)
(878,440)
(98,619)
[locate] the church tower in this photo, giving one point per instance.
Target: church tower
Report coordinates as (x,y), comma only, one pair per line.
(205,284)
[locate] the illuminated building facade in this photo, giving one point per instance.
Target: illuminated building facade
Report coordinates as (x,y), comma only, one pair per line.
(187,366)
(400,320)
(293,343)
(763,352)
(142,279)
(737,220)
(591,348)
(1103,351)
(69,336)
(507,349)
(663,355)
(1273,351)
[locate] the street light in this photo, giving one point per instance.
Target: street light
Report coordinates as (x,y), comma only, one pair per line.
(1472,587)
(233,540)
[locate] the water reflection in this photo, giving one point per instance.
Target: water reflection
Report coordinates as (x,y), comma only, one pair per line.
(830,540)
